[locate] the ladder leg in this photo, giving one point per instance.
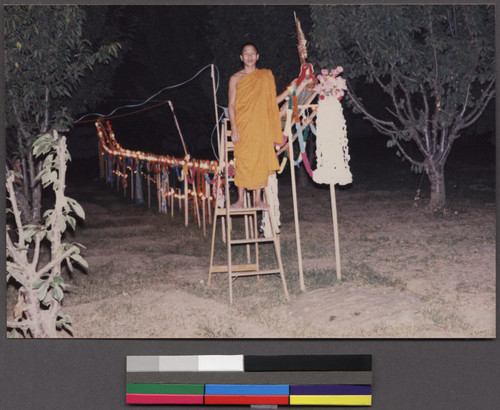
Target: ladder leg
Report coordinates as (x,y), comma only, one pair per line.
(214,228)
(247,227)
(229,256)
(276,245)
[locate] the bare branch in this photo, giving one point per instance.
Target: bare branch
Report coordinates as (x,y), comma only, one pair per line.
(46,120)
(486,97)
(15,210)
(427,119)
(18,118)
(18,260)
(12,324)
(466,99)
(400,147)
(446,152)
(360,106)
(54,262)
(372,67)
(36,254)
(443,139)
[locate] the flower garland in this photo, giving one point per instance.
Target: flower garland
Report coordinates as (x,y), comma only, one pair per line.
(332,152)
(331,84)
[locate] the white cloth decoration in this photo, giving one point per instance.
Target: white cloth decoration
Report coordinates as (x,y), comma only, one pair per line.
(274,202)
(331,144)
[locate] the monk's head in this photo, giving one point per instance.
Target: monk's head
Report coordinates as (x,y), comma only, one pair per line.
(249,53)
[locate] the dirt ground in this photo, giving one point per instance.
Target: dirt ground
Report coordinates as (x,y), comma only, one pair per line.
(405,273)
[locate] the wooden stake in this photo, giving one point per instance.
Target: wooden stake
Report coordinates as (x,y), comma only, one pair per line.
(215,108)
(335,231)
(124,177)
(296,215)
(196,207)
(101,159)
(204,220)
(117,174)
(132,181)
(158,190)
(186,200)
(148,176)
(178,128)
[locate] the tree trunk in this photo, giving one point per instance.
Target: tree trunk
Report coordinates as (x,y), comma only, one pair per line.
(43,326)
(37,196)
(435,173)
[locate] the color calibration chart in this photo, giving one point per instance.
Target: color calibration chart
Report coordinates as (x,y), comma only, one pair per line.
(286,380)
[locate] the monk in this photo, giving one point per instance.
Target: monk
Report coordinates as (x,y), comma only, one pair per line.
(255,125)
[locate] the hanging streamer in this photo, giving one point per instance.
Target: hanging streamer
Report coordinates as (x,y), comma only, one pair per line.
(139,200)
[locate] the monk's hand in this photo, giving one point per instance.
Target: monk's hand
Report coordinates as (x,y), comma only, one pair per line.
(235,136)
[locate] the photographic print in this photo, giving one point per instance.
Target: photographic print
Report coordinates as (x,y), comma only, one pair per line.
(255,172)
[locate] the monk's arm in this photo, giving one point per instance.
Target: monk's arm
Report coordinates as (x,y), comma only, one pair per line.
(235,135)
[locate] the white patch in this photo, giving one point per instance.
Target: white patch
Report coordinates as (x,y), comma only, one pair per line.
(331,144)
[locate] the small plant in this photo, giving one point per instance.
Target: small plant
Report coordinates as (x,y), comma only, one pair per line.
(38,310)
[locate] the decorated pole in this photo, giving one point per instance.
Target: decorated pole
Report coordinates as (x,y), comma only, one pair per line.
(335,231)
(148,173)
(305,68)
(294,198)
(186,216)
(214,90)
(331,144)
(178,128)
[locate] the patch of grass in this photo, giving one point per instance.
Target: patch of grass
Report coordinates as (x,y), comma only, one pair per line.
(213,328)
(365,275)
(446,319)
(360,275)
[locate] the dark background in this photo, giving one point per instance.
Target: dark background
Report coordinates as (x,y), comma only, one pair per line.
(83,374)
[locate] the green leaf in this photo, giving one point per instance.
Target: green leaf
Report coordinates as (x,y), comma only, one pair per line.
(77,208)
(42,292)
(58,293)
(70,265)
(38,283)
(68,327)
(57,281)
(78,259)
(71,222)
(391,143)
(47,300)
(14,334)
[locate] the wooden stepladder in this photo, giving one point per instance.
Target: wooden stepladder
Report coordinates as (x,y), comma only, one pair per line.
(250,239)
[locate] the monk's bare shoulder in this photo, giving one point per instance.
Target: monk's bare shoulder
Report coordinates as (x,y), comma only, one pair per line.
(236,77)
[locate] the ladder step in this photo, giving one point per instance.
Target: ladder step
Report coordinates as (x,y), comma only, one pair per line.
(239,211)
(239,268)
(254,273)
(251,240)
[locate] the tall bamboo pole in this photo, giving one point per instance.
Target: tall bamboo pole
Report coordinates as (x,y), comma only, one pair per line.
(296,211)
(186,218)
(335,231)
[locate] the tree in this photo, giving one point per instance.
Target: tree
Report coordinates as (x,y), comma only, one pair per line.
(41,286)
(46,57)
(434,65)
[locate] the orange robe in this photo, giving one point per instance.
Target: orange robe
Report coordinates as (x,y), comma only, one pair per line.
(259,124)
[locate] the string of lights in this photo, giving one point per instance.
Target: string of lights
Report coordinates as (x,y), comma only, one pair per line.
(154,95)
